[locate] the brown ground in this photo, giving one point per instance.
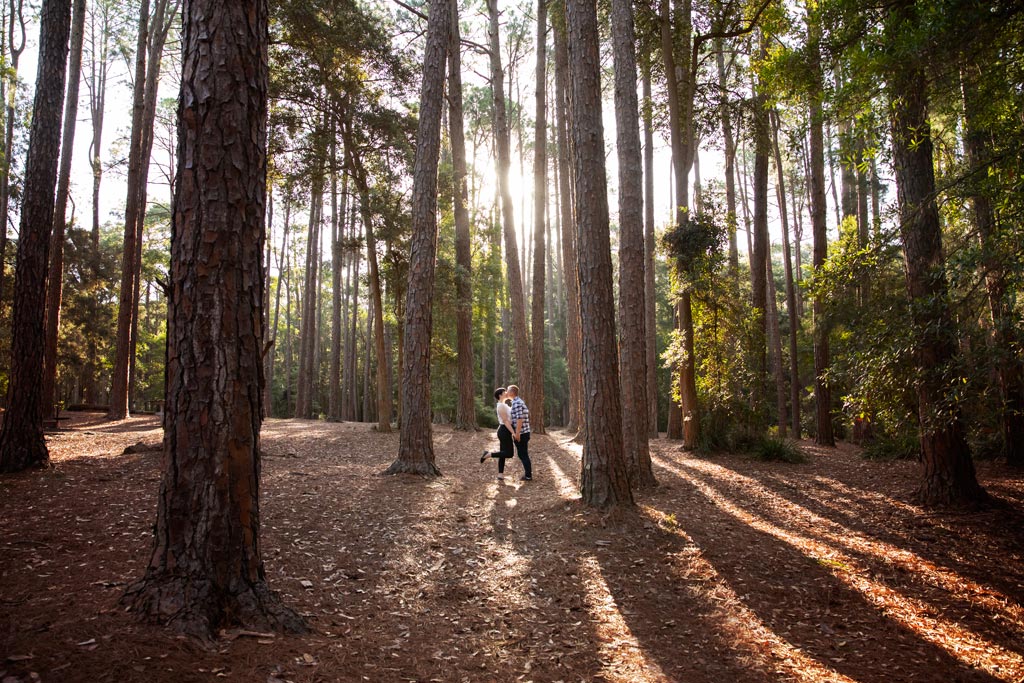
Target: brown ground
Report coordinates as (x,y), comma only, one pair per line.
(732,570)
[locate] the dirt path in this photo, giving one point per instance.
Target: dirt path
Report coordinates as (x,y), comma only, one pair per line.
(731,570)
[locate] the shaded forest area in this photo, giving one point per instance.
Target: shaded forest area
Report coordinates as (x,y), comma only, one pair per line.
(757,262)
(733,569)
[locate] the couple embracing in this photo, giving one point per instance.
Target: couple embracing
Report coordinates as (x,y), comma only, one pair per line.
(513,431)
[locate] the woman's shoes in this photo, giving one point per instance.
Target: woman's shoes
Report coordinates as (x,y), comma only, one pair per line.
(484,457)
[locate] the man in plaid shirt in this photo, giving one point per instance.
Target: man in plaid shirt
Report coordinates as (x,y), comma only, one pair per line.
(521,431)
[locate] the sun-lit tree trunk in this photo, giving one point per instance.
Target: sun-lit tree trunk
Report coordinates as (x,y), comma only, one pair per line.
(55,275)
(465,415)
(948,471)
(416,445)
(206,571)
(632,320)
(1005,332)
(823,434)
(337,228)
(514,277)
(21,435)
(540,198)
(604,481)
(787,261)
(650,319)
(570,259)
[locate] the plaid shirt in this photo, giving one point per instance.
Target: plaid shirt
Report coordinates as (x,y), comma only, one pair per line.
(520,413)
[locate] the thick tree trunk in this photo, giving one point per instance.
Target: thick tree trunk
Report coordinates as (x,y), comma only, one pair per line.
(465,415)
(1005,333)
(416,447)
(948,471)
(540,197)
(521,343)
(206,571)
(21,436)
(632,322)
(119,381)
(604,481)
(650,319)
(570,259)
(55,276)
(823,435)
(791,306)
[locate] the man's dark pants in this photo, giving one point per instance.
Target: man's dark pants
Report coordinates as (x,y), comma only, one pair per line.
(523,449)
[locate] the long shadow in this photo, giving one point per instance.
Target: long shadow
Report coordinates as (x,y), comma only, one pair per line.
(945,591)
(799,601)
(996,533)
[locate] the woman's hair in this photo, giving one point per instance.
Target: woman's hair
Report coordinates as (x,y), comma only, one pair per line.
(498,392)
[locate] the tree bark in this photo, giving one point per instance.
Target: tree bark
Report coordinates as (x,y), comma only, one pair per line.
(632,312)
(310,296)
(730,160)
(55,276)
(465,415)
(337,226)
(206,571)
(540,186)
(604,481)
(650,318)
(21,436)
(823,435)
(948,471)
(570,258)
(514,275)
(416,447)
(775,344)
(281,279)
(16,15)
(760,256)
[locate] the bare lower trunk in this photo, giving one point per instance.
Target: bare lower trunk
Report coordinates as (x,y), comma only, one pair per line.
(21,435)
(416,447)
(604,482)
(540,185)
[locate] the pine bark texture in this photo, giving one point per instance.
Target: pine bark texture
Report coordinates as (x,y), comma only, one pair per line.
(21,437)
(759,258)
(604,481)
(465,415)
(416,447)
(540,200)
(650,294)
(948,471)
(55,276)
(632,312)
(206,571)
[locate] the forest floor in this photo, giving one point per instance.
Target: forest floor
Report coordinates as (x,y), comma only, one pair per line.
(731,570)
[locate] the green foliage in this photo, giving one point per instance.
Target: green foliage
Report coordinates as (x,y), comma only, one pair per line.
(903,445)
(774,449)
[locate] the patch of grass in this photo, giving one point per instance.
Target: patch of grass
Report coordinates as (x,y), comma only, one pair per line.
(774,449)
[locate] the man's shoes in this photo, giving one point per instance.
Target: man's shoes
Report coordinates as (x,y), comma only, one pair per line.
(484,457)
(526,479)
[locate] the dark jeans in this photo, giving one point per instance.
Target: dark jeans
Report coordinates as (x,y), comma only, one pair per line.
(506,442)
(523,448)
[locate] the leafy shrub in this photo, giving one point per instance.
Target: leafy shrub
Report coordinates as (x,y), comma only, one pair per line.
(899,446)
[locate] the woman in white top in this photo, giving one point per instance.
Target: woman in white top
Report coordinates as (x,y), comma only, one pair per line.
(504,433)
